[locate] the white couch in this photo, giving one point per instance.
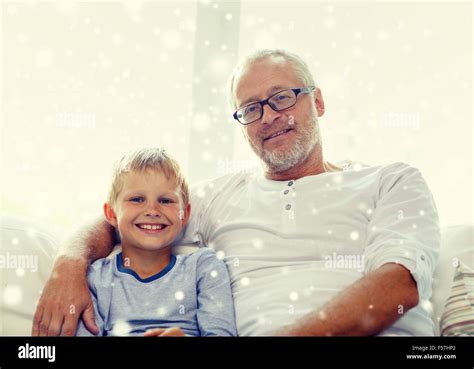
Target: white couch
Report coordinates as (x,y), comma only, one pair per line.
(19,290)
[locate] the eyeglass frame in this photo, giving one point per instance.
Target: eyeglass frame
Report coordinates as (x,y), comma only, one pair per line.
(262,103)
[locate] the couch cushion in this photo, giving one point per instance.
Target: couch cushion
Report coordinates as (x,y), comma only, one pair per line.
(457,246)
(458,315)
(26,259)
(30,244)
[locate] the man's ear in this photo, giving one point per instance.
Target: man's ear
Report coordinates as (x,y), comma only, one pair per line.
(110,215)
(318,99)
(185,214)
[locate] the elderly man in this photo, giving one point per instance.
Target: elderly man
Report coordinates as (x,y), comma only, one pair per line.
(313,249)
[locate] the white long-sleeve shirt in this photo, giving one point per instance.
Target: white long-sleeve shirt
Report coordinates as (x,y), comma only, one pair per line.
(291,246)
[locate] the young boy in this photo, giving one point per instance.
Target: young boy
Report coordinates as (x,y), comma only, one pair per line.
(145,288)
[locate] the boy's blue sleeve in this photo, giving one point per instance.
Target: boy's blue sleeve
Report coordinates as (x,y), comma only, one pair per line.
(93,280)
(215,313)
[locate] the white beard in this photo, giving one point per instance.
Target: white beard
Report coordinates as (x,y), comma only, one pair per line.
(282,160)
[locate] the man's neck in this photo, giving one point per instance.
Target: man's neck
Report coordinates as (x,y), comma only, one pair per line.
(314,164)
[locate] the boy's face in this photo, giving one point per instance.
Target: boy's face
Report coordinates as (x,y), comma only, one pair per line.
(147,212)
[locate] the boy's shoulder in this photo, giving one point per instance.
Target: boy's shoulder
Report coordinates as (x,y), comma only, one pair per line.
(101,269)
(103,263)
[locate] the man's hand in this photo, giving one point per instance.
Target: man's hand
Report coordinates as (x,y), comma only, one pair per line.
(165,332)
(63,299)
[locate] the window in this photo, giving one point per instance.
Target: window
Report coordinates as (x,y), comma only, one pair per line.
(85,82)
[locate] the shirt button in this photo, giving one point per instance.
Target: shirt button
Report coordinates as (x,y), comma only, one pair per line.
(288,207)
(286,192)
(290,183)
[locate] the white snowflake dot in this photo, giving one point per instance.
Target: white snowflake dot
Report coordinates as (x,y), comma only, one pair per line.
(257,243)
(161,311)
(121,328)
(427,306)
(294,296)
(179,295)
(245,281)
(354,235)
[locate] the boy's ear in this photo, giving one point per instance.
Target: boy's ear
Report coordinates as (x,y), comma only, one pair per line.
(110,215)
(186,213)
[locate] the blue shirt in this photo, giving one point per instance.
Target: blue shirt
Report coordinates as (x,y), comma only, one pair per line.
(192,292)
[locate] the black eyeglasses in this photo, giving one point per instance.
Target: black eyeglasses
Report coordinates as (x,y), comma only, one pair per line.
(280,101)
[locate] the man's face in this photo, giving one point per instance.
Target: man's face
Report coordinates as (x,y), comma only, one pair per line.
(281,139)
(148,212)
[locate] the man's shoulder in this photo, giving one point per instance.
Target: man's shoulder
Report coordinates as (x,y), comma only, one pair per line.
(394,176)
(384,176)
(203,257)
(201,253)
(390,169)
(227,182)
(358,165)
(396,165)
(397,170)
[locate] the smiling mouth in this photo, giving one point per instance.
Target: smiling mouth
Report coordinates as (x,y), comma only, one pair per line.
(151,228)
(277,134)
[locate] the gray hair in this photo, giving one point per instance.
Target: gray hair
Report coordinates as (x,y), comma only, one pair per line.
(299,66)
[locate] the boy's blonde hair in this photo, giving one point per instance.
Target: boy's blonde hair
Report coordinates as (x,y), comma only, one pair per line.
(142,160)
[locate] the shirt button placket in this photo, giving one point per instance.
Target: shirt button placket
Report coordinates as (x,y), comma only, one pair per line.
(288,216)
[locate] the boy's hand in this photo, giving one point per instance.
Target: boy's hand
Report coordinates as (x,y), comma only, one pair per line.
(62,301)
(165,332)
